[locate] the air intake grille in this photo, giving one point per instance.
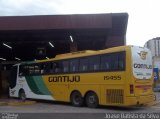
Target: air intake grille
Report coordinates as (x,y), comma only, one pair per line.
(115,96)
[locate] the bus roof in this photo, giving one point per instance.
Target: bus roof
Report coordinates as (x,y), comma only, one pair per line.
(85,53)
(75,53)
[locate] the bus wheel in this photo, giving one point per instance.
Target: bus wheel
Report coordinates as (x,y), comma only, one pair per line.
(22,95)
(92,100)
(76,99)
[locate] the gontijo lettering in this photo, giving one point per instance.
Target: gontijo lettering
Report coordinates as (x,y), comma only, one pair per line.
(142,66)
(75,78)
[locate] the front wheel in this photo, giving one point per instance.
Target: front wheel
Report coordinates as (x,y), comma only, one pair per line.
(92,100)
(76,99)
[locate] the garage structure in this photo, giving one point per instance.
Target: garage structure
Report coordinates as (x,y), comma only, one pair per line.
(89,31)
(28,38)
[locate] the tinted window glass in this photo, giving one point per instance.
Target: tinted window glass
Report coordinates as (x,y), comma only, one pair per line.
(106,62)
(36,69)
(94,63)
(58,67)
(121,59)
(65,66)
(83,64)
(74,65)
(23,70)
(53,67)
(113,61)
(45,68)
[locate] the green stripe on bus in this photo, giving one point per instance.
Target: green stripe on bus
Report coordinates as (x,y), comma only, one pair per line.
(32,85)
(41,85)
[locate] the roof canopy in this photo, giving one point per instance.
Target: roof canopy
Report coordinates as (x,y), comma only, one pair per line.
(89,31)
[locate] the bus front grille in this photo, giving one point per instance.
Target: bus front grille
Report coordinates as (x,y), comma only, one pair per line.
(115,96)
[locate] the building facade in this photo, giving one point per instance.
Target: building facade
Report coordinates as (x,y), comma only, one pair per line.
(154,46)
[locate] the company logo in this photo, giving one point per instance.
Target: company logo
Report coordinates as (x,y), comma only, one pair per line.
(143,55)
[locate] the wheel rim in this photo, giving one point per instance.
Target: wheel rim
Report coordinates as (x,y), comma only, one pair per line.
(92,99)
(77,99)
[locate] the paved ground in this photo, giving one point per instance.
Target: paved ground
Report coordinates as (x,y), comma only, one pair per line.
(157,95)
(45,109)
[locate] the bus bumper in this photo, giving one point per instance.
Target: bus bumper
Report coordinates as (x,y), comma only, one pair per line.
(140,100)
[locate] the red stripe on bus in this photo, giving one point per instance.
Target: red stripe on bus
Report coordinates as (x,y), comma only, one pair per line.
(143,86)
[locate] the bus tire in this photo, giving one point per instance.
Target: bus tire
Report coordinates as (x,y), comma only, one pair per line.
(22,95)
(91,100)
(76,99)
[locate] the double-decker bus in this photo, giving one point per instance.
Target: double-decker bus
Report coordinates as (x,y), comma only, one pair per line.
(118,76)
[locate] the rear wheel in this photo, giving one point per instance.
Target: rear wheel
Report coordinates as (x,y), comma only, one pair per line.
(76,99)
(22,95)
(92,100)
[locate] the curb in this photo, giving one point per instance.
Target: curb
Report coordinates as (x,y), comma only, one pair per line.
(3,103)
(17,103)
(21,103)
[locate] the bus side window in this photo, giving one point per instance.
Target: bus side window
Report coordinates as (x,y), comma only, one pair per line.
(114,61)
(74,65)
(53,67)
(121,65)
(121,61)
(25,70)
(105,62)
(42,68)
(48,67)
(31,69)
(118,60)
(45,68)
(94,63)
(65,66)
(21,70)
(58,67)
(83,64)
(36,69)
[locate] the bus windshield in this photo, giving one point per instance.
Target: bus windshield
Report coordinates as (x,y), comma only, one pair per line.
(141,63)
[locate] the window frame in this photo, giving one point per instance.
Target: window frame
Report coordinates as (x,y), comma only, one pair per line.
(121,56)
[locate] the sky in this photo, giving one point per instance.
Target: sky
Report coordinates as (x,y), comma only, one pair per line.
(143,21)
